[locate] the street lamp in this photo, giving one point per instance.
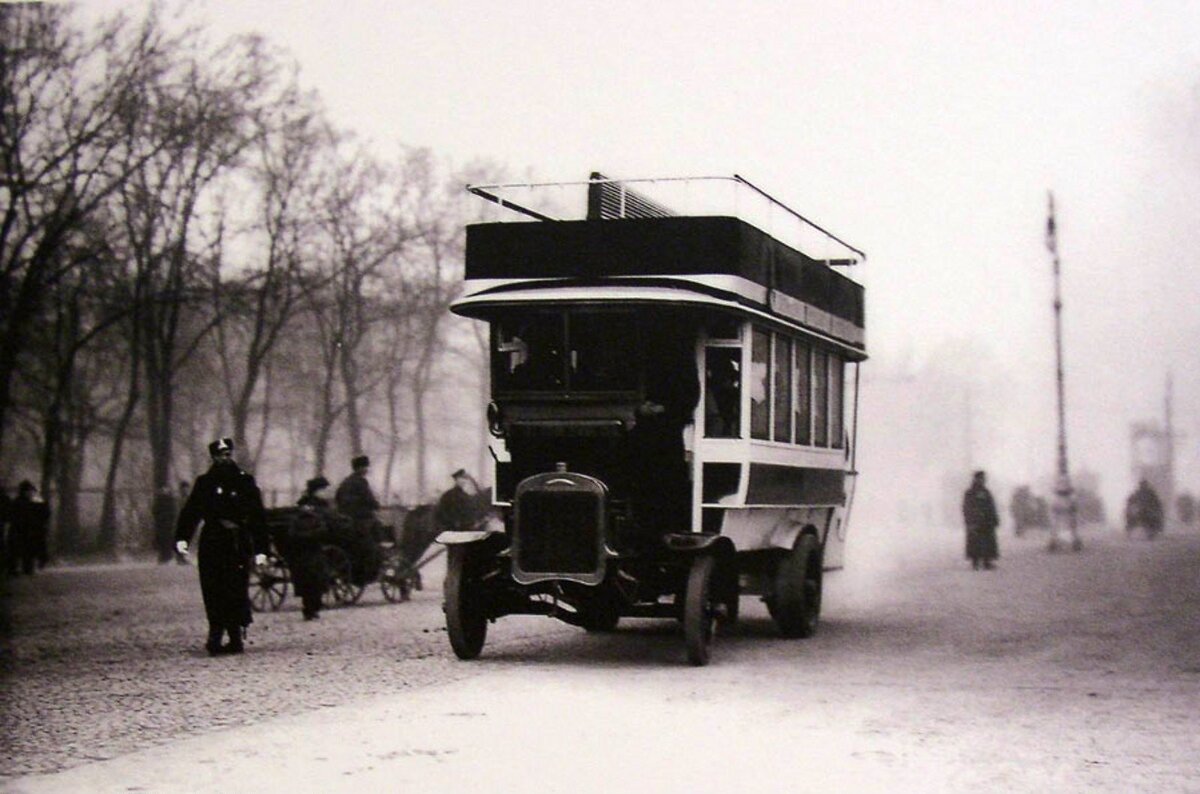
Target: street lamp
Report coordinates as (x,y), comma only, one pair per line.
(1064,510)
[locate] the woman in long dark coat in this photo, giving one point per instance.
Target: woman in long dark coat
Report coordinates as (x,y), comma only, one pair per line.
(228,502)
(981,519)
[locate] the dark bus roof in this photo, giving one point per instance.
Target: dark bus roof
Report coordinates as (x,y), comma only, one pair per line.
(789,284)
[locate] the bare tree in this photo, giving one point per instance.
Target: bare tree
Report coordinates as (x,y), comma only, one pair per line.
(65,101)
(362,231)
(262,297)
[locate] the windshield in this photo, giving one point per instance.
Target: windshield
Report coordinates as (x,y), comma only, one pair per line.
(576,350)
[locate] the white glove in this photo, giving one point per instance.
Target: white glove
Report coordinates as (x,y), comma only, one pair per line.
(181,546)
(260,560)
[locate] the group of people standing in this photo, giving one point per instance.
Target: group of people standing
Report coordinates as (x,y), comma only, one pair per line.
(226,503)
(24,524)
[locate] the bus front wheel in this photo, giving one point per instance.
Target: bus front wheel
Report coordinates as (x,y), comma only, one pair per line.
(466,622)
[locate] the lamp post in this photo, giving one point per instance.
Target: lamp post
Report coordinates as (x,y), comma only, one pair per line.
(1064,510)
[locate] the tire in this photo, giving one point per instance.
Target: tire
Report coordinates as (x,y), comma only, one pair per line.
(698,611)
(268,585)
(466,622)
(339,587)
(796,601)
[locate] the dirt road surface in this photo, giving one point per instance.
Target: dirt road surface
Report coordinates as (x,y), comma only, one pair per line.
(1068,672)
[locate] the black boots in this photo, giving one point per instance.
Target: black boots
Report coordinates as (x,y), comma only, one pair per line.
(214,646)
(235,640)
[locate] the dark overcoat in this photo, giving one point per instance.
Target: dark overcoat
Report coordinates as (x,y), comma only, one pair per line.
(981,519)
(29,522)
(228,503)
(355,498)
(456,510)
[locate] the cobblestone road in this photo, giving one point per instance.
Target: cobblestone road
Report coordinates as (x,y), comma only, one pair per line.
(101,660)
(1069,672)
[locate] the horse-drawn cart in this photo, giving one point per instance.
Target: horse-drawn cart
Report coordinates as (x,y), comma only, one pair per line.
(349,558)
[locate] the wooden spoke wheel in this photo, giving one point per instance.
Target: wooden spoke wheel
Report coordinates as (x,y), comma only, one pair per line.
(466,621)
(395,578)
(338,573)
(268,585)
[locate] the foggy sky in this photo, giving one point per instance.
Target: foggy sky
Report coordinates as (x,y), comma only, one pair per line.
(926,133)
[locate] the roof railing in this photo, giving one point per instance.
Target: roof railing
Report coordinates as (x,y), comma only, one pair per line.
(604,198)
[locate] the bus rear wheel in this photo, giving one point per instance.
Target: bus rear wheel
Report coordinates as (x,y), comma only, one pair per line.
(795,602)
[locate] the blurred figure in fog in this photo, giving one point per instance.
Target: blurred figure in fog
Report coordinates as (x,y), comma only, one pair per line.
(1144,510)
(457,508)
(28,521)
(1185,506)
(981,519)
(5,511)
(304,547)
(185,487)
(163,511)
(228,502)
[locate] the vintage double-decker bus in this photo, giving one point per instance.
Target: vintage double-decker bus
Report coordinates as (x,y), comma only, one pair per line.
(674,369)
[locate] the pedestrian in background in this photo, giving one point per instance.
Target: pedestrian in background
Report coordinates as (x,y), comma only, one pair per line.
(354,497)
(5,511)
(164,511)
(304,547)
(28,522)
(457,508)
(228,503)
(981,519)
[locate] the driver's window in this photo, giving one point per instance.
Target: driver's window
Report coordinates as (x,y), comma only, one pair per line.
(527,353)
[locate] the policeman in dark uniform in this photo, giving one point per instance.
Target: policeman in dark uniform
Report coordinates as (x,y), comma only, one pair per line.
(304,547)
(227,500)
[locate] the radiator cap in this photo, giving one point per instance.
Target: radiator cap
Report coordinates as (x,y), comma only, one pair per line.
(560,467)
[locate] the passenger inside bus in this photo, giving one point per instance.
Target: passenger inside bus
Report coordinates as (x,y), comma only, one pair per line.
(722,392)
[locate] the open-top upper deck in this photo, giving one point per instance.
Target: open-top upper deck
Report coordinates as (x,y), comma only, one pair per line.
(631,243)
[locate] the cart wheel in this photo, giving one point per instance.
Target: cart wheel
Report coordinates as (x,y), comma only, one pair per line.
(698,611)
(465,618)
(393,579)
(796,602)
(268,585)
(339,587)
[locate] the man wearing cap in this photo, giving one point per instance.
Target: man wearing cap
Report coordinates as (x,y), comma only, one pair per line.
(456,508)
(227,500)
(304,547)
(354,496)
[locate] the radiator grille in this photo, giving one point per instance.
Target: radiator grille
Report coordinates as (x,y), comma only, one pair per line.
(558,532)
